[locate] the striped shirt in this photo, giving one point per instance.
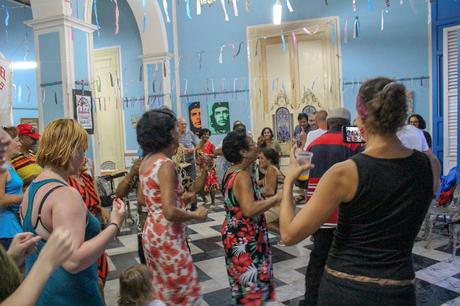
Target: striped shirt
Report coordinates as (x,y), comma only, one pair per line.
(88,192)
(26,167)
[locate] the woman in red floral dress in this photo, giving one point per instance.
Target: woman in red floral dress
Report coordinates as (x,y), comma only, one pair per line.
(208,148)
(244,232)
(175,280)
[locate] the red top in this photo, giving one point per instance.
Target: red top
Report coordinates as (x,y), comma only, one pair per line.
(88,192)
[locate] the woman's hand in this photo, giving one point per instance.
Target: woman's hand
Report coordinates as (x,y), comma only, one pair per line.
(201,213)
(295,169)
(118,213)
(23,244)
(58,248)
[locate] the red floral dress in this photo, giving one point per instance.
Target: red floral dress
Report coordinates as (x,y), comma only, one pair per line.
(175,280)
(211,179)
(247,251)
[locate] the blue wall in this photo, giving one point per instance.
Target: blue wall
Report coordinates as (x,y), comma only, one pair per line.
(129,41)
(13,47)
(400,51)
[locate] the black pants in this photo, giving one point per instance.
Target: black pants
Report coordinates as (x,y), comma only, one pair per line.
(321,244)
(342,292)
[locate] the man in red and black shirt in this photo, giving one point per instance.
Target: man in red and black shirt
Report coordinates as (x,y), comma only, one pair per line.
(328,149)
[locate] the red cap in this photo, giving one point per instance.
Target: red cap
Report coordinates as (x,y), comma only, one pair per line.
(25,129)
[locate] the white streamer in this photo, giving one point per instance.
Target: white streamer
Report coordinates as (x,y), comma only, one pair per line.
(198,7)
(186,87)
(225,9)
(288,3)
(165,7)
(429,13)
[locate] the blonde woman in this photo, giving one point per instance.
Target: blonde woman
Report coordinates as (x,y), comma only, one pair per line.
(50,203)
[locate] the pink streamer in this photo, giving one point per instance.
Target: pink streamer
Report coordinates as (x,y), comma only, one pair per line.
(235,8)
(117,16)
(294,40)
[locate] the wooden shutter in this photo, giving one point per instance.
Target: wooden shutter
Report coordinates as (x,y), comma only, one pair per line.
(450,101)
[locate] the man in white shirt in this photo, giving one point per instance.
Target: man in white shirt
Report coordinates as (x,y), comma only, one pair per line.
(413,138)
(321,122)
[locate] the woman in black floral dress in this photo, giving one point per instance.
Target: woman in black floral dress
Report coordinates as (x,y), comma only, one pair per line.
(244,232)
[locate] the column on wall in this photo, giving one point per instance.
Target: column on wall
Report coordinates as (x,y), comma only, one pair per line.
(63,44)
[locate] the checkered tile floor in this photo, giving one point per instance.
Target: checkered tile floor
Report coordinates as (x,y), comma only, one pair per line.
(438,279)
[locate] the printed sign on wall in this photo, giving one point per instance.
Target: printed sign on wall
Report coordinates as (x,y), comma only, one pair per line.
(194,115)
(5,93)
(83,106)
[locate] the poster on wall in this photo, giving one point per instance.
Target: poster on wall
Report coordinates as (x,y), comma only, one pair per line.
(5,93)
(219,117)
(194,115)
(83,109)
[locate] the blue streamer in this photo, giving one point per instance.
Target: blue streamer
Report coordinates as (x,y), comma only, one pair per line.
(7,17)
(283,40)
(97,19)
(187,2)
(144,5)
(370,5)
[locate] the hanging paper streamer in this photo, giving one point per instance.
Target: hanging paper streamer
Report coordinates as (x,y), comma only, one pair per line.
(235,8)
(185,87)
(187,8)
(283,41)
(289,6)
(333,33)
(370,5)
(387,4)
(355,6)
(429,13)
(326,2)
(356,28)
(382,23)
(221,59)
(55,97)
(401,2)
(7,19)
(257,45)
(141,73)
(294,40)
(239,49)
(43,96)
(117,16)
(222,84)
(413,6)
(212,85)
(248,5)
(198,7)
(313,84)
(316,29)
(111,79)
(26,46)
(345,31)
(225,9)
(19,94)
(165,8)
(200,58)
(97,18)
(144,6)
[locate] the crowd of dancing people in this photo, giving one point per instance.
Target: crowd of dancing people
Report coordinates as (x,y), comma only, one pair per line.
(363,205)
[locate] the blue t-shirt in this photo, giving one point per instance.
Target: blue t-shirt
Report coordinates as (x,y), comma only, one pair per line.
(9,221)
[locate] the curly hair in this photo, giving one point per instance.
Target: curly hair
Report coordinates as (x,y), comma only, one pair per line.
(201,132)
(421,121)
(386,105)
(135,286)
(154,130)
(271,155)
(232,144)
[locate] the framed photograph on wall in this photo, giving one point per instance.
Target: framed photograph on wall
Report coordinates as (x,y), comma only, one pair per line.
(83,109)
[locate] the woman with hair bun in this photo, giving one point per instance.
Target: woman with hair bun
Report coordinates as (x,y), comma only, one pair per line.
(174,276)
(382,194)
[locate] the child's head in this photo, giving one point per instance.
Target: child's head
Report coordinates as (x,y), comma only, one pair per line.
(135,286)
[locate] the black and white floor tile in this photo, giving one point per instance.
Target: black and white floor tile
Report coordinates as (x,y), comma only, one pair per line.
(438,277)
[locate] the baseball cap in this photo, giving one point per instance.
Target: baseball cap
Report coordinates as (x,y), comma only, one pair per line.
(25,129)
(339,113)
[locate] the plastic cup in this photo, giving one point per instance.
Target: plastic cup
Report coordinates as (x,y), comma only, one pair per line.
(304,158)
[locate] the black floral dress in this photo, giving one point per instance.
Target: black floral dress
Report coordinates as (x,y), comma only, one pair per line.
(247,251)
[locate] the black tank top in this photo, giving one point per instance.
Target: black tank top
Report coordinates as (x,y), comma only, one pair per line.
(377,229)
